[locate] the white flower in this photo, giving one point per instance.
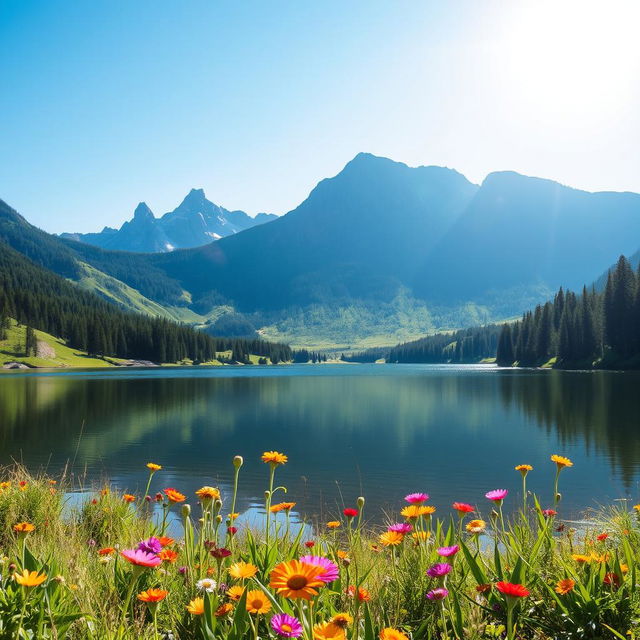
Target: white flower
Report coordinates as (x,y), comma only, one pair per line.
(207,584)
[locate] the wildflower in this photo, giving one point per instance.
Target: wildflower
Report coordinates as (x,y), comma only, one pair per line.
(350,513)
(612,579)
(561,461)
(206,584)
(153,467)
(342,554)
(447,552)
(196,607)
(524,469)
(286,626)
(242,570)
(549,513)
(257,602)
(565,586)
(476,526)
(29,578)
(220,552)
(223,610)
(512,590)
(439,570)
(152,595)
(159,497)
(23,527)
(334,524)
(483,588)
(168,555)
(233,516)
(497,495)
(392,634)
(165,541)
(174,496)
(206,494)
(150,545)
(421,535)
(415,511)
(342,620)
(362,593)
(274,458)
(22,484)
(391,538)
(602,537)
(400,527)
(106,551)
(232,530)
(294,579)
(309,544)
(141,558)
(580,558)
(282,506)
(636,507)
(328,631)
(328,570)
(462,508)
(438,594)
(416,498)
(235,593)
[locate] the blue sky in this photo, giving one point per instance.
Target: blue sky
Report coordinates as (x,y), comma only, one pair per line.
(110,102)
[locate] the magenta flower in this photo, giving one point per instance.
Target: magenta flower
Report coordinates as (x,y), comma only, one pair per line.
(417,498)
(150,545)
(447,552)
(439,570)
(497,495)
(400,527)
(286,626)
(141,558)
(330,572)
(548,513)
(438,594)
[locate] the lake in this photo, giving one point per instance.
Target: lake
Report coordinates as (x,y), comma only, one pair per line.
(381,431)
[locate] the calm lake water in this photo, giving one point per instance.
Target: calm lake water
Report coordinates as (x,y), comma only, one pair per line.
(375,430)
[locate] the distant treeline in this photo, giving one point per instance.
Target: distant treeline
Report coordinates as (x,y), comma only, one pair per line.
(596,328)
(304,355)
(43,300)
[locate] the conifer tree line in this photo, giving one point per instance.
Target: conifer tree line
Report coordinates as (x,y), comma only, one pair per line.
(594,328)
(43,300)
(304,355)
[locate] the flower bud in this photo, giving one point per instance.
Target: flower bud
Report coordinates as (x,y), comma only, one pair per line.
(267,494)
(238,462)
(360,502)
(186,511)
(558,497)
(218,518)
(218,504)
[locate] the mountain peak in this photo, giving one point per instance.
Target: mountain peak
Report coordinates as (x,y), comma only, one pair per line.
(143,212)
(195,195)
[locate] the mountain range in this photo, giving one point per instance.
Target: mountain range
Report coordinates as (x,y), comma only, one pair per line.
(194,222)
(380,253)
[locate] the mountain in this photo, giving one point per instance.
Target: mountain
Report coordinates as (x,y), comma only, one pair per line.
(195,222)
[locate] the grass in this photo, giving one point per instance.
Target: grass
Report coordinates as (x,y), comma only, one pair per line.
(461,575)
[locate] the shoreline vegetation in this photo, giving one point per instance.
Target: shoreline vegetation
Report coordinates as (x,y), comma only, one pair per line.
(106,568)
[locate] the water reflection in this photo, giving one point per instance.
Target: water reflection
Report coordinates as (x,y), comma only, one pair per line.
(378,431)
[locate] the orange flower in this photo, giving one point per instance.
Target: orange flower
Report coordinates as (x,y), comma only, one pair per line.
(328,631)
(414,511)
(524,468)
(196,607)
(106,551)
(561,461)
(127,497)
(476,526)
(342,619)
(342,554)
(391,538)
(233,516)
(565,586)
(483,588)
(235,593)
(175,496)
(166,542)
(257,602)
(392,634)
(421,535)
(295,579)
(168,555)
(208,493)
(580,558)
(282,506)
(274,458)
(153,466)
(242,570)
(152,595)
(223,610)
(29,578)
(363,594)
(334,524)
(23,527)
(602,537)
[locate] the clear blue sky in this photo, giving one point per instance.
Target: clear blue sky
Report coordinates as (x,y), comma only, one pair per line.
(106,103)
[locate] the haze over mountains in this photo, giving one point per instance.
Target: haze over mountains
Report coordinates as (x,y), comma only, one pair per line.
(381,252)
(195,222)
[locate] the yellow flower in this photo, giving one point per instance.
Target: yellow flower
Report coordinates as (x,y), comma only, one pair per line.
(23,527)
(342,554)
(274,458)
(391,538)
(580,558)
(196,607)
(636,507)
(153,466)
(242,570)
(235,593)
(476,526)
(524,468)
(561,461)
(421,535)
(565,586)
(127,497)
(392,634)
(342,619)
(414,511)
(208,493)
(223,610)
(233,516)
(5,485)
(334,524)
(257,602)
(328,631)
(295,579)
(29,578)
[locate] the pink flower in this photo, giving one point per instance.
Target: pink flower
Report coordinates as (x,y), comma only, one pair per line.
(548,513)
(447,552)
(286,626)
(497,495)
(439,570)
(417,498)
(150,545)
(438,594)
(141,558)
(400,527)
(330,570)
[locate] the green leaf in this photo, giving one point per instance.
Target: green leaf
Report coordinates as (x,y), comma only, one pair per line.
(476,570)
